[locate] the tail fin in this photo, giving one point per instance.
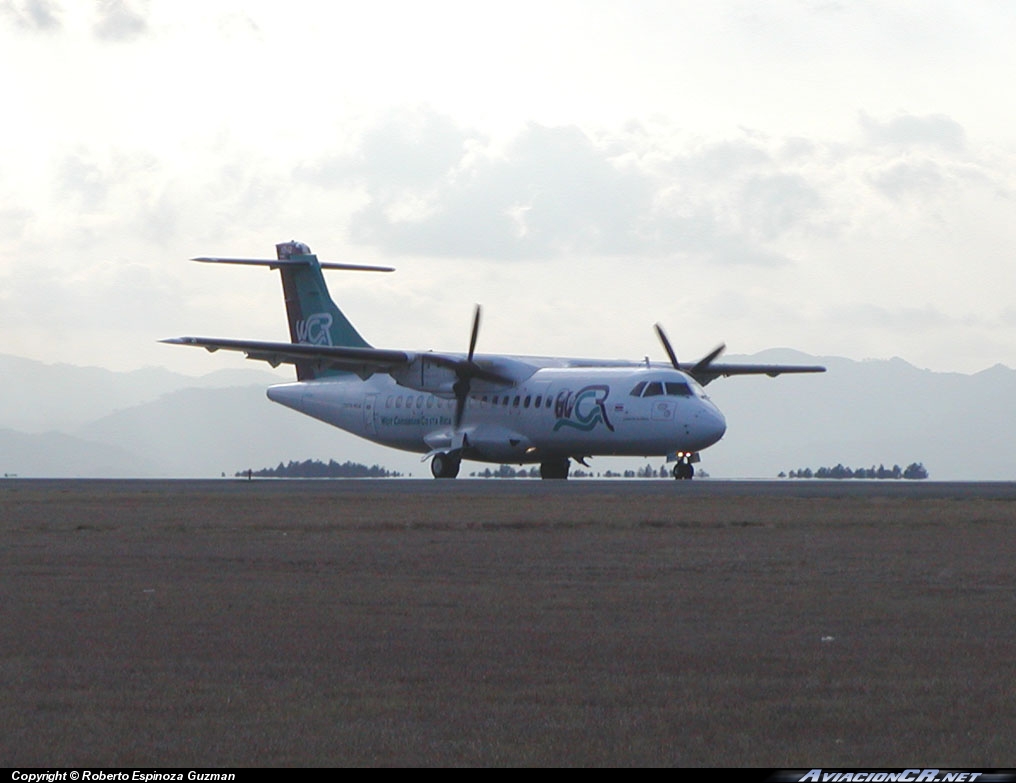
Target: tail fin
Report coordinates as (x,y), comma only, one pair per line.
(313,317)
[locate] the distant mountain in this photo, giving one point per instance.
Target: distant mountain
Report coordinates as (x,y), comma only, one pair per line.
(861,413)
(86,421)
(207,432)
(56,455)
(38,397)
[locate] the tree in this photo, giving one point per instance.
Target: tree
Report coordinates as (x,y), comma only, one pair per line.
(915,470)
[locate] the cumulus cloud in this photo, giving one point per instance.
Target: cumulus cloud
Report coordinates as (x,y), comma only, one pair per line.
(120,20)
(80,179)
(434,188)
(775,203)
(35,15)
(907,177)
(908,130)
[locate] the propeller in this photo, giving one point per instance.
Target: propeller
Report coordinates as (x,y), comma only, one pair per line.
(468,369)
(666,346)
(701,366)
(465,371)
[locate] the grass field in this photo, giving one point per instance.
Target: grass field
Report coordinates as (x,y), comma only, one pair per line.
(181,624)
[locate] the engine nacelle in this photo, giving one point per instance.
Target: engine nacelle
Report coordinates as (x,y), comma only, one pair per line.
(437,376)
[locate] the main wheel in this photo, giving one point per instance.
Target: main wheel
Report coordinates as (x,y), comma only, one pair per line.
(557,469)
(444,466)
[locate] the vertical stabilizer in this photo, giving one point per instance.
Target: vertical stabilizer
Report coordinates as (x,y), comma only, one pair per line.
(313,316)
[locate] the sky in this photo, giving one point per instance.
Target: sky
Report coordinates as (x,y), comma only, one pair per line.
(828,176)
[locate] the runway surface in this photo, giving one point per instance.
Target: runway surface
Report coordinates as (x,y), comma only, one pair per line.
(507,622)
(700,488)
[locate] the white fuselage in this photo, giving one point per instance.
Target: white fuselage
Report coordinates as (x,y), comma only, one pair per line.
(556,412)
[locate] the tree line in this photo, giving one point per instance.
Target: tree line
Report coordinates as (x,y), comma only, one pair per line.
(507,471)
(316,469)
(915,470)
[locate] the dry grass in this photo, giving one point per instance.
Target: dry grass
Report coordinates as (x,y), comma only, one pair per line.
(180,624)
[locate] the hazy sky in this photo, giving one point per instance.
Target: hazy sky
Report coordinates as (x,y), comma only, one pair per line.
(833,177)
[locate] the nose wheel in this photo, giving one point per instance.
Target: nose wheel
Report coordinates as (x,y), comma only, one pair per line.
(445,466)
(684,470)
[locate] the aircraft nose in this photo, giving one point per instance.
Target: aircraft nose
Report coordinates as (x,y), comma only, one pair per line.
(710,425)
(716,424)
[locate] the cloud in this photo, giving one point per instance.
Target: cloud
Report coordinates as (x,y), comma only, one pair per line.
(907,130)
(36,15)
(80,179)
(772,204)
(433,188)
(873,317)
(121,20)
(907,177)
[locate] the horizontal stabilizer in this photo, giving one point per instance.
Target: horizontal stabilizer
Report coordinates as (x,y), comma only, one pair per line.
(276,263)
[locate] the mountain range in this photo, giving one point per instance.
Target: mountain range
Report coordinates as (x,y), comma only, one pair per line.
(69,421)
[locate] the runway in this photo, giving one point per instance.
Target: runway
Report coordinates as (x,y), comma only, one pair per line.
(702,488)
(507,622)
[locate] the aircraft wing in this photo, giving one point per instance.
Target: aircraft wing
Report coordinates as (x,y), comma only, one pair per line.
(715,370)
(362,361)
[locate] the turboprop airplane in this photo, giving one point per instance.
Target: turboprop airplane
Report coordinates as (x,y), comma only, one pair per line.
(488,408)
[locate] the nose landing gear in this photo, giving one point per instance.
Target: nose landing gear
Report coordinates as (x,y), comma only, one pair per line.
(683,469)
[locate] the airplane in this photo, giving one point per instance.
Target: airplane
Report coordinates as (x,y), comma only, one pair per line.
(488,408)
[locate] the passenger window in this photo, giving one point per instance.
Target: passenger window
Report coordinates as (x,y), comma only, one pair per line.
(398,401)
(539,399)
(389,401)
(430,402)
(525,402)
(654,389)
(419,401)
(504,402)
(637,391)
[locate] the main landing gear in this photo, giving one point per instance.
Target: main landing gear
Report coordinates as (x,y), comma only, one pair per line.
(558,469)
(445,465)
(683,469)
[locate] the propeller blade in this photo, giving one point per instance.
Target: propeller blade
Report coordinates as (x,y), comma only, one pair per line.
(461,392)
(703,364)
(466,371)
(476,331)
(667,348)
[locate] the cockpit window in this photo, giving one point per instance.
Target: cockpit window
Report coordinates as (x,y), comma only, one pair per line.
(678,389)
(666,388)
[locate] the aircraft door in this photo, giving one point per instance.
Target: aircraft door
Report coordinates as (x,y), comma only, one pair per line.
(369,404)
